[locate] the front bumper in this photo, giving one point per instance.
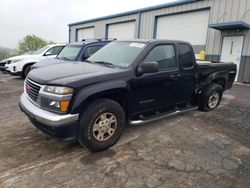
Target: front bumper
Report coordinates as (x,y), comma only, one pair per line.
(7,67)
(12,68)
(2,68)
(45,117)
(63,126)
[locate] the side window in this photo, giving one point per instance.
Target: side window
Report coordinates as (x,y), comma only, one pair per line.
(89,51)
(186,56)
(55,50)
(164,55)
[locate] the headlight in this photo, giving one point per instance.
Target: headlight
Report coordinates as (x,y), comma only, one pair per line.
(59,102)
(16,60)
(58,90)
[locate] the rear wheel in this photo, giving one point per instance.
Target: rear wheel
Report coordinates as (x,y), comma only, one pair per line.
(213,100)
(210,97)
(101,125)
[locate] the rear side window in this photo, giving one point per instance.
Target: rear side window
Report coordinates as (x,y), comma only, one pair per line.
(186,57)
(164,55)
(89,51)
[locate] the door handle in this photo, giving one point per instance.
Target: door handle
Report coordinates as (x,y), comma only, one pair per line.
(177,75)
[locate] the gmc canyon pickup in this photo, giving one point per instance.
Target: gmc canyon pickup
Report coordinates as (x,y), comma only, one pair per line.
(125,82)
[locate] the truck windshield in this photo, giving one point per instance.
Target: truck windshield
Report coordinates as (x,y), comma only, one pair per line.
(39,51)
(70,52)
(118,53)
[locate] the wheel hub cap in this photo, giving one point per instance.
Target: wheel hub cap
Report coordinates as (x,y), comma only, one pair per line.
(104,126)
(213,100)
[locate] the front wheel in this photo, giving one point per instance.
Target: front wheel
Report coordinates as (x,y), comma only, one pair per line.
(210,97)
(26,71)
(101,125)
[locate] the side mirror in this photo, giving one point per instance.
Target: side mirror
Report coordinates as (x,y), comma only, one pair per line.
(47,54)
(147,67)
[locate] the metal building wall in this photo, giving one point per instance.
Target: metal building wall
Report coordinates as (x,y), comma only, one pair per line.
(220,11)
(100,26)
(148,18)
(227,11)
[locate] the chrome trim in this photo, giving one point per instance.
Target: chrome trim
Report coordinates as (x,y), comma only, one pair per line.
(31,100)
(139,122)
(43,116)
(44,94)
(34,82)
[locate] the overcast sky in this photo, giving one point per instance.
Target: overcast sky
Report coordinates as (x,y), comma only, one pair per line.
(49,19)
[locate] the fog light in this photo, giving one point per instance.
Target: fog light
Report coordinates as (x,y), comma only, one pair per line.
(60,105)
(55,104)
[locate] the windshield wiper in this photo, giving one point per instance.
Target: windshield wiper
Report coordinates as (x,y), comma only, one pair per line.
(105,63)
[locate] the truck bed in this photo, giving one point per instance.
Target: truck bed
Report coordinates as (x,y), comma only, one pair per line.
(211,70)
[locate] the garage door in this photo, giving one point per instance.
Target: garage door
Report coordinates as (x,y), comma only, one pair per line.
(85,33)
(190,27)
(125,30)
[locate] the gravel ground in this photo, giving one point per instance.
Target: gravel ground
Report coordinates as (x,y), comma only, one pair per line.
(195,149)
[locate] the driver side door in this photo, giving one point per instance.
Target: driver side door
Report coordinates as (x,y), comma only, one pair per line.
(152,91)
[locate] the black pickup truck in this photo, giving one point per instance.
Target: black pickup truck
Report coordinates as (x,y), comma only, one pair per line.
(125,82)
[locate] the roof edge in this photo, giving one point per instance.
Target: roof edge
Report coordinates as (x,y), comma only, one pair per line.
(230,25)
(166,5)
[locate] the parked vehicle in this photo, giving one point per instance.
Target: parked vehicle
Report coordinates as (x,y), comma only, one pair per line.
(8,60)
(125,82)
(78,51)
(2,64)
(21,65)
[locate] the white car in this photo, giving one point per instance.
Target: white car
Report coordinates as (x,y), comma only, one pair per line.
(20,65)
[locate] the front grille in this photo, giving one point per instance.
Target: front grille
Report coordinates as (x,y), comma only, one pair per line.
(32,89)
(2,64)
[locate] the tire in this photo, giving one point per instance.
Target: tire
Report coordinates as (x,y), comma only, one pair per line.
(210,97)
(95,132)
(26,71)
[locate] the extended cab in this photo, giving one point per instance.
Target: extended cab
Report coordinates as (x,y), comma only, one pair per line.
(124,82)
(77,51)
(21,65)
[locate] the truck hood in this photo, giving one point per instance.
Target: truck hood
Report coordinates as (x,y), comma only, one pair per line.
(49,62)
(74,74)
